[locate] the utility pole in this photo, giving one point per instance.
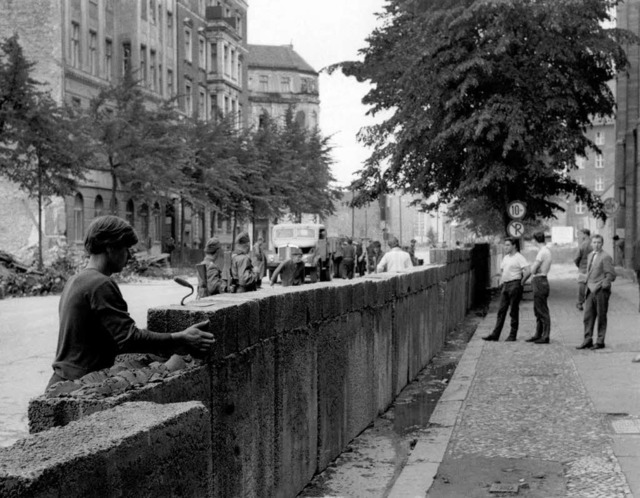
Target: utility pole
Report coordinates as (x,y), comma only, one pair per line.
(400,216)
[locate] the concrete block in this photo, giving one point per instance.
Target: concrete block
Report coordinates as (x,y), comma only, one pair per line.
(400,351)
(224,325)
(360,394)
(248,328)
(330,307)
(244,424)
(332,388)
(157,319)
(358,291)
(267,314)
(296,411)
(345,299)
(370,294)
(186,385)
(382,324)
(136,449)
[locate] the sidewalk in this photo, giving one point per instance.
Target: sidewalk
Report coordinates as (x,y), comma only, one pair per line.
(521,419)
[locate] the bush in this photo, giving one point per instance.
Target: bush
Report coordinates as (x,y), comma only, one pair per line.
(65,261)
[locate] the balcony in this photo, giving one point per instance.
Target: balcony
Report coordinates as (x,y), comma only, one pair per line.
(217,22)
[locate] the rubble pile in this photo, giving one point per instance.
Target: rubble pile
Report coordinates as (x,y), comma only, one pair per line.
(123,376)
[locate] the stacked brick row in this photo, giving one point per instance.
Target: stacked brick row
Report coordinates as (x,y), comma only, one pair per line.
(298,373)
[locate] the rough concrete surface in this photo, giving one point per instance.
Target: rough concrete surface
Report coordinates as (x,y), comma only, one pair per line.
(136,449)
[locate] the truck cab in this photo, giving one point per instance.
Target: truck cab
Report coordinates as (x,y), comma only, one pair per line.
(312,240)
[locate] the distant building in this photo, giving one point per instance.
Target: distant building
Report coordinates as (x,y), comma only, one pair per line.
(185,48)
(278,79)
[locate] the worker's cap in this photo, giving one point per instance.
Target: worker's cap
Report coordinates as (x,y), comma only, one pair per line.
(213,244)
(295,250)
(242,238)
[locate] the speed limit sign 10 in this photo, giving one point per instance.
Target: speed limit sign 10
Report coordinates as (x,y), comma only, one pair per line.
(516,210)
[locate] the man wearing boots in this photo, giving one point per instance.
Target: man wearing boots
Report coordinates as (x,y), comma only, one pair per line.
(540,285)
(515,270)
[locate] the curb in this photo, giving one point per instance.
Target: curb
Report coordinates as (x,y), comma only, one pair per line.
(421,468)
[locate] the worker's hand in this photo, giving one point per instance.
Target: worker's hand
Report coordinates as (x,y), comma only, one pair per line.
(197,337)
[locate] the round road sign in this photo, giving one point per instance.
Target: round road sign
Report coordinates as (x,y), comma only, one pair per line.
(515,228)
(516,210)
(611,206)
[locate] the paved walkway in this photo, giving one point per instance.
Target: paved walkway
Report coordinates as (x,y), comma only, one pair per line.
(538,420)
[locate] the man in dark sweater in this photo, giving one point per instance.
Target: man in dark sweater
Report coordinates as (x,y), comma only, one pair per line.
(95,325)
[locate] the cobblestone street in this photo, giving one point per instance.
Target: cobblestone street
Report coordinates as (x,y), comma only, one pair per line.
(534,415)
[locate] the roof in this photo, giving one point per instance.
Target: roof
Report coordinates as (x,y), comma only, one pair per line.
(278,57)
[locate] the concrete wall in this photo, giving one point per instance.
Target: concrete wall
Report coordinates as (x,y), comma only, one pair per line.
(135,449)
(298,373)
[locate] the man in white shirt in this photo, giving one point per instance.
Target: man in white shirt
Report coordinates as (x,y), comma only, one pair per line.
(540,285)
(395,259)
(515,270)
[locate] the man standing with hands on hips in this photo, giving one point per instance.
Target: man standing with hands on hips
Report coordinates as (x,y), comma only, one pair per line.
(515,271)
(600,274)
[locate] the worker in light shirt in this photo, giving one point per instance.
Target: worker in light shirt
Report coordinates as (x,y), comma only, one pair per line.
(395,259)
(514,272)
(540,285)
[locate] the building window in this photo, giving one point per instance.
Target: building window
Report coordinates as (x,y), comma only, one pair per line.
(599,138)
(599,161)
(239,24)
(126,58)
(143,10)
(160,80)
(580,207)
(75,44)
(108,60)
(213,58)
(225,59)
(285,84)
(170,29)
(143,65)
(264,83)
(202,102)
(213,105)
(580,162)
(170,91)
(219,221)
(599,183)
(93,54)
(129,213)
(188,105)
(76,102)
(202,52)
(98,206)
(226,105)
(233,64)
(187,44)
(580,180)
(78,218)
(239,75)
(153,70)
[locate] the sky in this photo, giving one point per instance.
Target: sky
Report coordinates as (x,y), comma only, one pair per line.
(323,33)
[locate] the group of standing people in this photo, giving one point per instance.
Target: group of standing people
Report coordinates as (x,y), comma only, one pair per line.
(596,272)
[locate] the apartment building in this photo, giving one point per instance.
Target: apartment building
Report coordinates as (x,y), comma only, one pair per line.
(279,78)
(190,50)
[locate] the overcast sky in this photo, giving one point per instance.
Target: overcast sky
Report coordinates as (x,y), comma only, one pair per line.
(323,33)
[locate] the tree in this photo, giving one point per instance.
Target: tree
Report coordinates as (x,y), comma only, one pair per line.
(18,90)
(39,148)
(489,100)
(142,148)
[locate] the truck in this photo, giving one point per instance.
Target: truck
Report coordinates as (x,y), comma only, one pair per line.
(317,250)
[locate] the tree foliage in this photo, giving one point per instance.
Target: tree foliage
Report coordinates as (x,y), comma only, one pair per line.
(140,143)
(39,149)
(489,101)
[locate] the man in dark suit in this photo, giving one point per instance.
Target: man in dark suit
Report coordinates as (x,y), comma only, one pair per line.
(581,262)
(600,274)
